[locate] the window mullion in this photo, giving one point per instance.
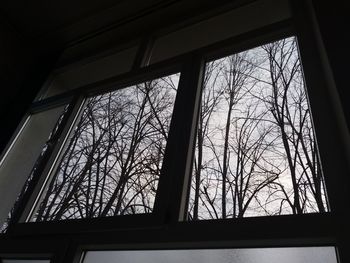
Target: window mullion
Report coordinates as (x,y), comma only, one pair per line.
(172,191)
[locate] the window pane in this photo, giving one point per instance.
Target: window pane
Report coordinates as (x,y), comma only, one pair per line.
(221,27)
(251,255)
(91,71)
(30,143)
(256,152)
(112,161)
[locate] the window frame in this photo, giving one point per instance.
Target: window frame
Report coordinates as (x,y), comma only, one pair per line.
(37,108)
(21,224)
(167,229)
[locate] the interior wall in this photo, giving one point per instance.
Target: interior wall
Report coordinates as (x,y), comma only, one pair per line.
(22,72)
(333,20)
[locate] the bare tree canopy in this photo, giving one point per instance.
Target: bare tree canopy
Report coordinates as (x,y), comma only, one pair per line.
(256,152)
(112,161)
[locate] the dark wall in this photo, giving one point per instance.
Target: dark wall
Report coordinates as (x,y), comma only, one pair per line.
(333,19)
(22,71)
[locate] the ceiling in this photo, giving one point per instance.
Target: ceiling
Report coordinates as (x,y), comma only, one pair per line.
(37,18)
(43,19)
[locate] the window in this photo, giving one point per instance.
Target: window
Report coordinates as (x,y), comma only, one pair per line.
(231,23)
(219,149)
(256,152)
(252,255)
(31,146)
(88,71)
(112,161)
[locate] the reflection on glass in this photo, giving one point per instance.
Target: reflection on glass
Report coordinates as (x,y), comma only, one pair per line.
(251,255)
(223,26)
(112,161)
(256,152)
(91,71)
(25,158)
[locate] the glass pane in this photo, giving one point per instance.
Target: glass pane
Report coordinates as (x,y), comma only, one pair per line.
(30,143)
(256,152)
(112,161)
(92,71)
(251,255)
(218,28)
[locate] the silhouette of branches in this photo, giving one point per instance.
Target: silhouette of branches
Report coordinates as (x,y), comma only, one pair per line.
(112,161)
(256,152)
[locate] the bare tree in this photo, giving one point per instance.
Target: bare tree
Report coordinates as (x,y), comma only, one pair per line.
(288,105)
(112,162)
(210,101)
(256,152)
(229,164)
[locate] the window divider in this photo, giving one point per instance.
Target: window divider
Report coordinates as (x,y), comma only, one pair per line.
(172,189)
